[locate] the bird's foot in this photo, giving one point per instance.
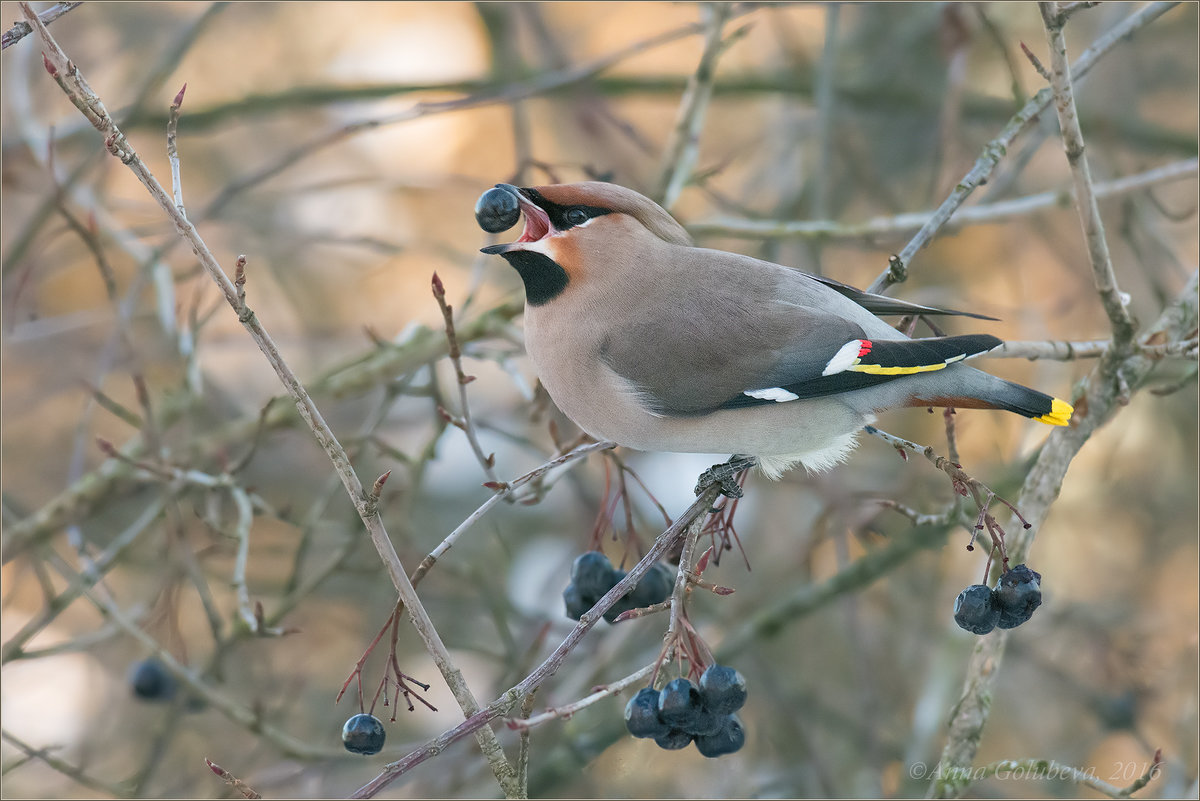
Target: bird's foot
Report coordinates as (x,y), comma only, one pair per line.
(725,475)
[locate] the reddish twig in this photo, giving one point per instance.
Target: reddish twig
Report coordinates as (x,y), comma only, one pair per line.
(488,462)
(233,781)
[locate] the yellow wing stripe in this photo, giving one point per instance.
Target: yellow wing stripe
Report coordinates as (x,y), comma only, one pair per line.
(879,369)
(1060,413)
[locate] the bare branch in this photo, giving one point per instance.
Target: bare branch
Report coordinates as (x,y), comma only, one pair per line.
(487,462)
(565,712)
(1085,197)
(64,767)
(1048,768)
(233,781)
(510,700)
(173,150)
(72,82)
(1098,403)
(877,227)
(996,149)
(503,490)
(20,30)
(684,145)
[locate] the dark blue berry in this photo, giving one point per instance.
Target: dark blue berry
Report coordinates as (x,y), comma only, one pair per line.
(674,740)
(151,681)
(655,587)
(363,734)
(623,603)
(975,611)
(497,210)
(1017,594)
(679,704)
(723,689)
(731,737)
(641,715)
(576,603)
(593,574)
(704,723)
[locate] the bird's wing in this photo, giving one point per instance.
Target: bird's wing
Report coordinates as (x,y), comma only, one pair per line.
(777,336)
(882,304)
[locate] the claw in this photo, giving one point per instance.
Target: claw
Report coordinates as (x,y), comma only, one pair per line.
(725,475)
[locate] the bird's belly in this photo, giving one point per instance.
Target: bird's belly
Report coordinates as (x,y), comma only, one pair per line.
(818,432)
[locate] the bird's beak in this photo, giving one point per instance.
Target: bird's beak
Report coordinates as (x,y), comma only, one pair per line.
(537,222)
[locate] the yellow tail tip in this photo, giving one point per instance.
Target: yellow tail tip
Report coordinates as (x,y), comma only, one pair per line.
(1060,413)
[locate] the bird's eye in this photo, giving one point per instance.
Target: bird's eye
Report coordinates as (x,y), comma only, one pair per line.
(576,216)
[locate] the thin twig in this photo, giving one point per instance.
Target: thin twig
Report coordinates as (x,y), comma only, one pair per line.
(504,490)
(921,518)
(99,566)
(520,91)
(242,715)
(1099,401)
(1036,62)
(69,78)
(487,462)
(245,519)
(1061,83)
(996,149)
(20,30)
(1057,350)
(523,749)
(509,700)
(684,145)
(899,224)
(173,150)
(684,578)
(567,710)
(996,35)
(66,768)
(1066,10)
(355,376)
(233,781)
(1048,768)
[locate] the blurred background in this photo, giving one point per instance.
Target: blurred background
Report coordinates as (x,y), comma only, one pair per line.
(341,147)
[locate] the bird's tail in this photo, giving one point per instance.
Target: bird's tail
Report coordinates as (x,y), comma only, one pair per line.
(997,393)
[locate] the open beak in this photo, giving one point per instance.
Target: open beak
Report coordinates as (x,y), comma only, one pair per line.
(537,222)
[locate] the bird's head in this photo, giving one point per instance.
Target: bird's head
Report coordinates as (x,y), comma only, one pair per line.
(571,230)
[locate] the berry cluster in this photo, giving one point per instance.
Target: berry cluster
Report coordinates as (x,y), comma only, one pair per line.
(681,713)
(1019,592)
(363,734)
(592,575)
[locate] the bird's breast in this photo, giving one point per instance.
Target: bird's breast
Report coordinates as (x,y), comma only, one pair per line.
(566,352)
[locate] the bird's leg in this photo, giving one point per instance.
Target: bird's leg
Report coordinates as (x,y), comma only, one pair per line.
(725,474)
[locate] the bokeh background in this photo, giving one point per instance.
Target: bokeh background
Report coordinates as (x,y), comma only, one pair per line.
(818,113)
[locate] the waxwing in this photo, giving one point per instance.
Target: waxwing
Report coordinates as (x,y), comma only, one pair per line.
(643,339)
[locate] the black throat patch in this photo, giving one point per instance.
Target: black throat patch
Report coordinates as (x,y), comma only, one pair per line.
(544,278)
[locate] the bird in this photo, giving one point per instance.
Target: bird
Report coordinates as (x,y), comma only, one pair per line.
(643,339)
